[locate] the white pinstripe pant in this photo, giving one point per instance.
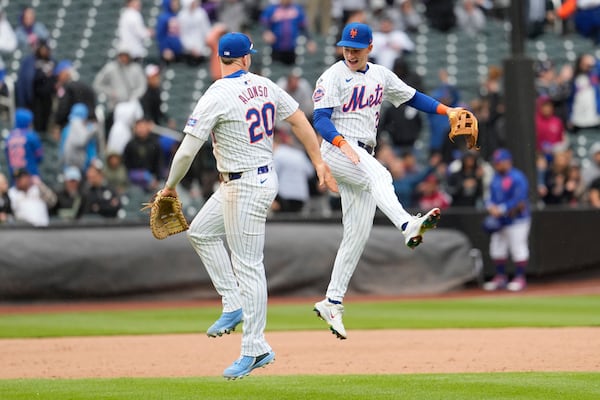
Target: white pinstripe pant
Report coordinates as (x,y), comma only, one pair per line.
(363,188)
(238,210)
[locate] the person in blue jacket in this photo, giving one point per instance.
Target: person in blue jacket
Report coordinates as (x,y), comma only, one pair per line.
(168,32)
(23,145)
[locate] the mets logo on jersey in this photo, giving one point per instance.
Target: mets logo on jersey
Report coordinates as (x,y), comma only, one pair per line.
(318,94)
(353,33)
(191,122)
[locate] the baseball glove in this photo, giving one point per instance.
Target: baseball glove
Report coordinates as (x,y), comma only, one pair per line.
(166,216)
(464,123)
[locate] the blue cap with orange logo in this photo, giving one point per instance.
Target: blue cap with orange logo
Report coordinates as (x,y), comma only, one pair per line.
(356,36)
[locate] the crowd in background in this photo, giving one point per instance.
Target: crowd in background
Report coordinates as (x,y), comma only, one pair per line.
(103,158)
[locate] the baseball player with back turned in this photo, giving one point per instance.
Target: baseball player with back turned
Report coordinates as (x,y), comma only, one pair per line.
(240,111)
(347,102)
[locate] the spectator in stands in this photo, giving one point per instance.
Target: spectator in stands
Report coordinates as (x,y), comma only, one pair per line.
(31,199)
(8,38)
(491,112)
(23,146)
(195,27)
(402,124)
(538,14)
(351,9)
(36,86)
(143,157)
(430,194)
(407,176)
(70,92)
(389,44)
(116,173)
(283,23)
(300,89)
(121,132)
(584,102)
(440,14)
(30,32)
(80,139)
(119,80)
(593,194)
(318,13)
(132,31)
(549,129)
(556,85)
(151,101)
(465,186)
(294,171)
(234,14)
(6,212)
(508,222)
(586,15)
(168,32)
(591,171)
(101,199)
(70,200)
(212,9)
(557,177)
(406,18)
(469,17)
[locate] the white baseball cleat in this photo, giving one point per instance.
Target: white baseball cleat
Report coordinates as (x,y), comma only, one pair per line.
(332,314)
(418,225)
(497,283)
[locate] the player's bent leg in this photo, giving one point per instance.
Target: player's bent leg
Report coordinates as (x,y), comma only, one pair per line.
(418,225)
(332,314)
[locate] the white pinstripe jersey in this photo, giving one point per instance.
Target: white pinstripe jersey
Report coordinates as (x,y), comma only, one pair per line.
(356,98)
(241,112)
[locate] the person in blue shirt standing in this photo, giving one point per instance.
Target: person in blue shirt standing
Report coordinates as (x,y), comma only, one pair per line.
(509,222)
(23,145)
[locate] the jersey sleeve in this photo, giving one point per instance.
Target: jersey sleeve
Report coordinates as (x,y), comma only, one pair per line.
(205,116)
(327,91)
(397,92)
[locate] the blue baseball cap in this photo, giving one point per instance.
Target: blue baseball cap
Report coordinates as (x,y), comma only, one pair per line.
(61,66)
(356,36)
(501,155)
(234,45)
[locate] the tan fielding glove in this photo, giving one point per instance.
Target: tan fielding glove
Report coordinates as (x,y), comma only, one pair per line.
(166,216)
(464,123)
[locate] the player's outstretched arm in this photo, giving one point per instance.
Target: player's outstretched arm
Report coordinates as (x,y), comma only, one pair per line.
(308,137)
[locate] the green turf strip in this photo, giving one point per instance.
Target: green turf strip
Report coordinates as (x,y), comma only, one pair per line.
(543,386)
(409,314)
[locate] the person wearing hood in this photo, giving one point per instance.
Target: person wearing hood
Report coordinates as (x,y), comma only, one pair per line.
(70,92)
(35,87)
(168,32)
(549,128)
(79,139)
(24,146)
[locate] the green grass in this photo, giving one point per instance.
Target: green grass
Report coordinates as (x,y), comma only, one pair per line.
(409,314)
(543,386)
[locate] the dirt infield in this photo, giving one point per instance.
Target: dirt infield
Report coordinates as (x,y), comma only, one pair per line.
(314,352)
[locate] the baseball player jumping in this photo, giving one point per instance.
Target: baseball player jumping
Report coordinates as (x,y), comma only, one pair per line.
(347,102)
(240,111)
